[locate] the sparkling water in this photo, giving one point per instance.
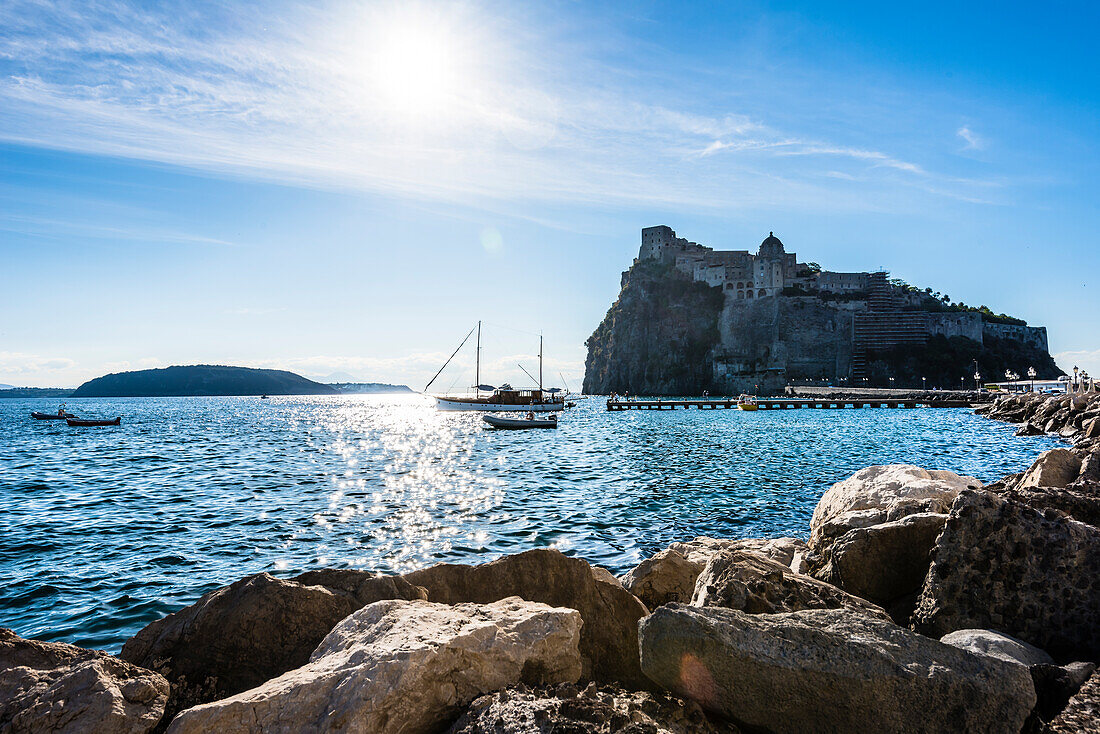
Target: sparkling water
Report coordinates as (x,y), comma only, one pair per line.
(103,530)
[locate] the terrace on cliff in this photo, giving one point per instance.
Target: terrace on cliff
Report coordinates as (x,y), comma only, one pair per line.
(771,320)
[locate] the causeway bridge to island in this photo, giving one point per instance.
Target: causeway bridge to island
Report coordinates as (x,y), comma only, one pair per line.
(616,404)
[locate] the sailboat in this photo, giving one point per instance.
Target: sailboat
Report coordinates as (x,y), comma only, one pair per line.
(503,398)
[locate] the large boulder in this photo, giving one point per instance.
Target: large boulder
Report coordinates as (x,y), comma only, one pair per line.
(1002,565)
(666,576)
(1078,501)
(609,639)
(829,670)
(749,582)
(1082,714)
(1053,468)
(670,574)
(1054,687)
(403,666)
(879,494)
(997,645)
(885,563)
(592,710)
(702,549)
(53,687)
(236,637)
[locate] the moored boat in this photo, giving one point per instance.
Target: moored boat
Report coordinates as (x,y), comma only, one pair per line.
(747,402)
(51,416)
(500,399)
(530,421)
(84,422)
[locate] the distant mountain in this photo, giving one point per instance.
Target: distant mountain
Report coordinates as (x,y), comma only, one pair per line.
(368,387)
(200,380)
(36,392)
(6,387)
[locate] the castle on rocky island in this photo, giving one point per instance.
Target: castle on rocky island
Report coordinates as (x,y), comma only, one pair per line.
(747,276)
(691,318)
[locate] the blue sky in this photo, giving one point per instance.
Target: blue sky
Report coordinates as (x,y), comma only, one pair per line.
(347,187)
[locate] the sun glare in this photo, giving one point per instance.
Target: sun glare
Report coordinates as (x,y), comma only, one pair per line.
(418,65)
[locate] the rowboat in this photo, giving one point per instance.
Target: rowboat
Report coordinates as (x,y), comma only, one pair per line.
(515,424)
(82,422)
(51,416)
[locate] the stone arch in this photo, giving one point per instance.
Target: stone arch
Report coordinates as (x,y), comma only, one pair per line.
(740,285)
(762,293)
(748,294)
(740,295)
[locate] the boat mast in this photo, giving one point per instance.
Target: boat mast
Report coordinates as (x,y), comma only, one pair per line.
(540,366)
(477,364)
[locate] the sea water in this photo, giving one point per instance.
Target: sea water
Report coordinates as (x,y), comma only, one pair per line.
(103,530)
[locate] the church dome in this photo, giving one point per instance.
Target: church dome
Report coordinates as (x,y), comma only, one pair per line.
(771,246)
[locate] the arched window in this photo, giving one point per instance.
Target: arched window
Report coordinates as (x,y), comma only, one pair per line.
(729,286)
(740,295)
(748,294)
(761,294)
(740,285)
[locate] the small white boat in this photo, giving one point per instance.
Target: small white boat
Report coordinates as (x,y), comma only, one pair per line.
(515,424)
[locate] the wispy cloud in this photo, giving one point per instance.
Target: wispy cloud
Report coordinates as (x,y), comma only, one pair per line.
(294,95)
(1086,359)
(971,138)
(13,364)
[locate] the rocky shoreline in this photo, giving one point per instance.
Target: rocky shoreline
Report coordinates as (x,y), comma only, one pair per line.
(923,601)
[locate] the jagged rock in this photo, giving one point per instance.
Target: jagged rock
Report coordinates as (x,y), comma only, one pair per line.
(664,577)
(1002,565)
(1090,468)
(363,586)
(700,550)
(1080,502)
(1093,429)
(997,645)
(1053,468)
(670,575)
(1056,685)
(609,639)
(236,637)
(404,666)
(879,494)
(883,563)
(566,709)
(752,583)
(1082,714)
(829,670)
(53,687)
(1029,429)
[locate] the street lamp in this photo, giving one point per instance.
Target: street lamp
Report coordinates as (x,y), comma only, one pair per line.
(1075,379)
(978,381)
(1031,373)
(924,383)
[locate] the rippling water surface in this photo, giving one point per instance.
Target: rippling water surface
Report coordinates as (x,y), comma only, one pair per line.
(103,530)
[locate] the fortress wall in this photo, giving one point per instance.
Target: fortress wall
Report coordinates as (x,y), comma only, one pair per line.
(956,324)
(1036,336)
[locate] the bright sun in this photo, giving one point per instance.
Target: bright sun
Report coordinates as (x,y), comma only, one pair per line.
(416,66)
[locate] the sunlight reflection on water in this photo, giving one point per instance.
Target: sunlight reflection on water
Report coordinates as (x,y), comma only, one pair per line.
(107,529)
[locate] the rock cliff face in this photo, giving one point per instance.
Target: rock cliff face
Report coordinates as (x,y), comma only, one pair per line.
(659,337)
(671,334)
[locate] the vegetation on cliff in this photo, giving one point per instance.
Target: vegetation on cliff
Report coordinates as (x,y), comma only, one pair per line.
(199,380)
(660,333)
(947,362)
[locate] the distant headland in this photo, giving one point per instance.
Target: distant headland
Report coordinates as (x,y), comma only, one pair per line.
(690,319)
(202,380)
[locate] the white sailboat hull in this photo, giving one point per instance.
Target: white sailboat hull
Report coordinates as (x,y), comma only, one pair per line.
(449,404)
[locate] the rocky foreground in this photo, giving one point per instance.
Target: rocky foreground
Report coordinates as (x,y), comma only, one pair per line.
(922,602)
